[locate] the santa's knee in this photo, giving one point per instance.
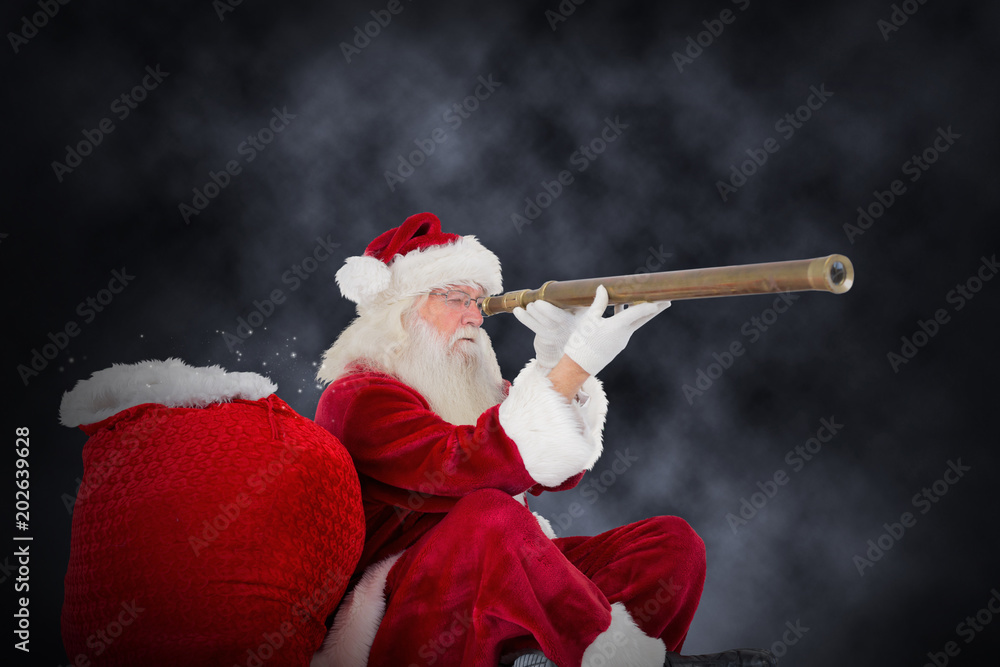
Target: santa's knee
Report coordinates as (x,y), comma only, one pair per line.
(491,507)
(677,534)
(492,517)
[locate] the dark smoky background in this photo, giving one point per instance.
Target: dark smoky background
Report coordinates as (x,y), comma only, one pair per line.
(650,199)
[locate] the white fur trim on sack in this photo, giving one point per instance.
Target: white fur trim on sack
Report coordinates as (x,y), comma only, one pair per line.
(547,430)
(623,644)
(172,383)
(466,261)
(350,640)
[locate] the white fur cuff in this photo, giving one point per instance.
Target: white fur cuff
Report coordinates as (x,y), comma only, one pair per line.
(593,411)
(172,383)
(623,644)
(546,527)
(548,431)
(543,523)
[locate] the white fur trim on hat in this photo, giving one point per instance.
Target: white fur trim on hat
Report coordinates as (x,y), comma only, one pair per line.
(465,261)
(350,640)
(623,644)
(172,383)
(548,431)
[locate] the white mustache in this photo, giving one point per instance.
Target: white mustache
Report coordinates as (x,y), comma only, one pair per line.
(465,332)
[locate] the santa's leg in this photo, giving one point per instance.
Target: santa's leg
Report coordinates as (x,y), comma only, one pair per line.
(655,567)
(483,576)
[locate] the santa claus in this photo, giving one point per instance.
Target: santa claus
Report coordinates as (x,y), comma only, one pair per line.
(456,570)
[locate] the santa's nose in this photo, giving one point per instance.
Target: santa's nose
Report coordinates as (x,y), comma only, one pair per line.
(472,315)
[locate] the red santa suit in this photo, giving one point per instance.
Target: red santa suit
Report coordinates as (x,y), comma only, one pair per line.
(456,570)
(478,577)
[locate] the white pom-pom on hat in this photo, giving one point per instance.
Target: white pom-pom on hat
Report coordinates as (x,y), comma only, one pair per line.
(362,279)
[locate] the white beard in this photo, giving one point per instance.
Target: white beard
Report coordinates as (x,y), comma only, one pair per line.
(459,378)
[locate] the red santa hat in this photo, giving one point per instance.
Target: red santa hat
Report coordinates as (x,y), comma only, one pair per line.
(414,258)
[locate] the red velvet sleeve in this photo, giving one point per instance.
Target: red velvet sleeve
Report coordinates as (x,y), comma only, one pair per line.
(539,489)
(397,441)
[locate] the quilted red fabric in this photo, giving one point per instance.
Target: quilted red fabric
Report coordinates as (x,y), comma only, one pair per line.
(222,535)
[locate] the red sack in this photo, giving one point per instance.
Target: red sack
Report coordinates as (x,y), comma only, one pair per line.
(214,525)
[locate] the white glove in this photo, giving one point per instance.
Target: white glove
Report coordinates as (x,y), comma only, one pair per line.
(597,340)
(552,326)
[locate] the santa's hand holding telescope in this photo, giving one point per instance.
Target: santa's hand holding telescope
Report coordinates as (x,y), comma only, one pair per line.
(584,334)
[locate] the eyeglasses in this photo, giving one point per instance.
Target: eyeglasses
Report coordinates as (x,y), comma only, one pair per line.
(459,300)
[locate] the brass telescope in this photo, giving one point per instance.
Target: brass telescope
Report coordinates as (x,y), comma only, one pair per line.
(833,273)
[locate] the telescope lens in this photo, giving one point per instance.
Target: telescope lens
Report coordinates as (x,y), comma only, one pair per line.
(837,273)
